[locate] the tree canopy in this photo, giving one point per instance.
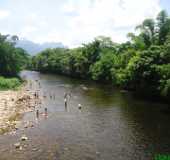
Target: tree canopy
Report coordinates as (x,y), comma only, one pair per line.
(140,64)
(12,59)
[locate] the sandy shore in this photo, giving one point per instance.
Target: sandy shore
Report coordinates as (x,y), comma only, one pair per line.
(12,106)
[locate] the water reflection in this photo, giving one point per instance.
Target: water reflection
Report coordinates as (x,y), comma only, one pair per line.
(110,124)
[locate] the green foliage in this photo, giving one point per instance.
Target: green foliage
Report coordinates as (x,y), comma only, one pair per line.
(140,64)
(165,88)
(12,59)
(141,71)
(101,70)
(163,71)
(147,32)
(9,83)
(163,27)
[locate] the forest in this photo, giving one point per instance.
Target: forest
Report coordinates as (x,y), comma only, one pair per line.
(142,64)
(85,80)
(12,61)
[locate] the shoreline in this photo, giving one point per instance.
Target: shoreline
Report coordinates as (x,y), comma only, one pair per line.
(136,93)
(13,104)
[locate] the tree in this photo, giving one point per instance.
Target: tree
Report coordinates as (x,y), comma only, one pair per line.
(101,70)
(140,64)
(163,25)
(11,59)
(147,29)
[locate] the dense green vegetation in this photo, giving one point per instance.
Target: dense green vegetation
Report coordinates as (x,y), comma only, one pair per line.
(12,60)
(9,83)
(141,64)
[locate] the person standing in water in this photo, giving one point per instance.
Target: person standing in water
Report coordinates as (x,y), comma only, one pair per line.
(37,114)
(46,113)
(65,99)
(65,102)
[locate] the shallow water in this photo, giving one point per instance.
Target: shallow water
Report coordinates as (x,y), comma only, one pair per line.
(112,125)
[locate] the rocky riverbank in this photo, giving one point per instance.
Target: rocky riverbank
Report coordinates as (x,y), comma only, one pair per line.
(12,106)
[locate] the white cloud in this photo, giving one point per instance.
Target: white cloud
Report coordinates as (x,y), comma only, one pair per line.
(27,30)
(4,14)
(113,18)
(76,21)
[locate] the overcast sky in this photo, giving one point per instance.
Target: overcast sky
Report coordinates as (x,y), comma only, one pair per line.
(73,22)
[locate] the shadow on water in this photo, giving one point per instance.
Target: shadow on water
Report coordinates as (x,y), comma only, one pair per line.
(110,124)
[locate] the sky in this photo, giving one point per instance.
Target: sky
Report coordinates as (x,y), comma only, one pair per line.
(74,22)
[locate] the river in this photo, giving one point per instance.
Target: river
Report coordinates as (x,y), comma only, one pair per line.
(111,125)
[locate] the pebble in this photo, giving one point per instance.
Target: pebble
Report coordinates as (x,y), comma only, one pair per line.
(97,153)
(66,149)
(35,149)
(24,138)
(20,148)
(28,124)
(25,146)
(17,145)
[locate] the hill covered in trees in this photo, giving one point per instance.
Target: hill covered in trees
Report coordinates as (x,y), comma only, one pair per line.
(141,64)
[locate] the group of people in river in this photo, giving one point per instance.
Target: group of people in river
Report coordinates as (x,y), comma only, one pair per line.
(52,96)
(36,95)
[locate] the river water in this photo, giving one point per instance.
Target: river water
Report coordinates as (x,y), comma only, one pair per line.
(111,125)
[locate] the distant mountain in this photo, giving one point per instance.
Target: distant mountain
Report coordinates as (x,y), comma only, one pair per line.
(34,48)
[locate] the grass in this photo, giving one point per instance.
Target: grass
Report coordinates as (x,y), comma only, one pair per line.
(9,83)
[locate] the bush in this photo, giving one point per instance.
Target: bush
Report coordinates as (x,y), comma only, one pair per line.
(9,83)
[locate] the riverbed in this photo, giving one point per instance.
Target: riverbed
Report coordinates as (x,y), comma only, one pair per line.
(110,125)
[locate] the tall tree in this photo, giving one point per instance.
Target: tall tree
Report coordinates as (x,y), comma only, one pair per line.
(147,29)
(163,25)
